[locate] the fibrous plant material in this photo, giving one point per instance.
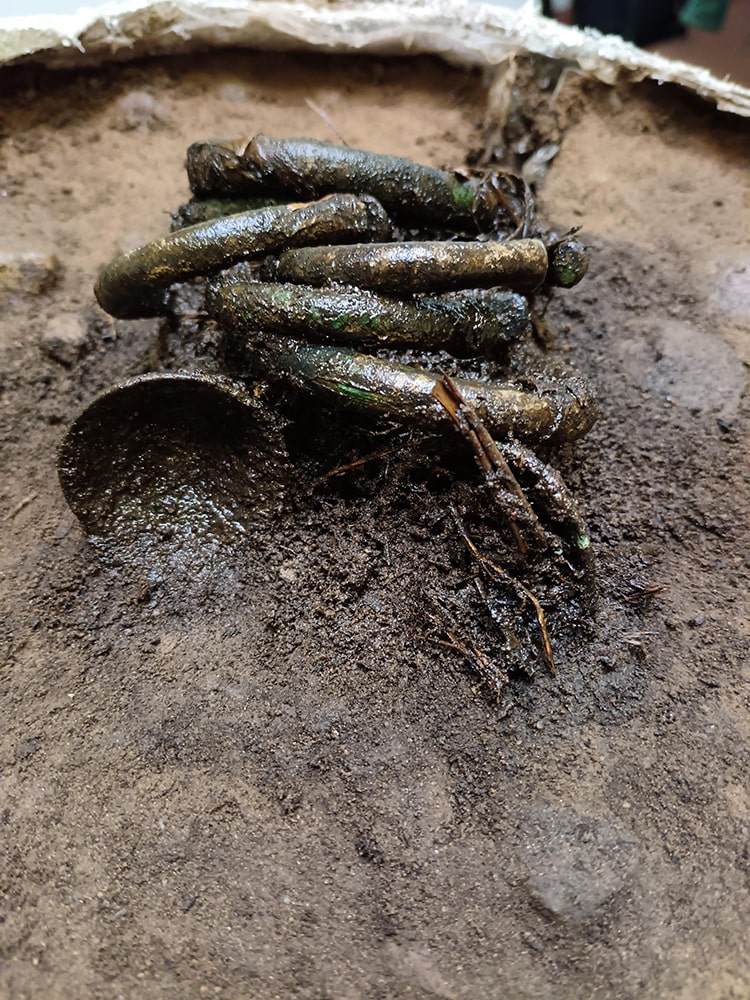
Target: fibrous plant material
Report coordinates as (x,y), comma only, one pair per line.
(550,493)
(523,521)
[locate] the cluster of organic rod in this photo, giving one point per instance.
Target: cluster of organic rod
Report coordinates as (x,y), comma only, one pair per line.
(310,248)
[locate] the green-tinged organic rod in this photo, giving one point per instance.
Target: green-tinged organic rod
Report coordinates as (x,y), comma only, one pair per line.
(465,323)
(215,208)
(406,268)
(132,284)
(309,168)
(405,394)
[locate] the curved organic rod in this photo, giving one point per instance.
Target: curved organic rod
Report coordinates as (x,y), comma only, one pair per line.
(404,393)
(427,266)
(309,168)
(131,285)
(466,323)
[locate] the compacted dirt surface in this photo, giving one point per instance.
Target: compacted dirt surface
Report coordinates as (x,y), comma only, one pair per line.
(256,772)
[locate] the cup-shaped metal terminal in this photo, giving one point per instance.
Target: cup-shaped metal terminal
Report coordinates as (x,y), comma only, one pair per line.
(178,457)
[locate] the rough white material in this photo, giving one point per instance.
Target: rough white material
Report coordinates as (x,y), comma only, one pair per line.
(462,31)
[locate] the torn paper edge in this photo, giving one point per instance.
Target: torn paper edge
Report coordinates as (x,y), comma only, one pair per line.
(460,31)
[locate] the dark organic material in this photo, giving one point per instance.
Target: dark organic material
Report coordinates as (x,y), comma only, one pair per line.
(404,268)
(463,323)
(131,285)
(308,168)
(405,394)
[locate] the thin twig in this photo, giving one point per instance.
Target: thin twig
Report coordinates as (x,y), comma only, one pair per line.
(456,646)
(363,461)
(21,505)
(643,591)
(321,113)
(479,660)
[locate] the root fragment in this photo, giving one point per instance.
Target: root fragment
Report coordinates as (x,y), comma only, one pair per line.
(490,460)
(495,572)
(488,671)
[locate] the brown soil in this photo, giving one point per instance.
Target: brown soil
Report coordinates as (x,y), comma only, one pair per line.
(257,777)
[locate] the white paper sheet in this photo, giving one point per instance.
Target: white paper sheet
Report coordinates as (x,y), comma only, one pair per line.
(461,31)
